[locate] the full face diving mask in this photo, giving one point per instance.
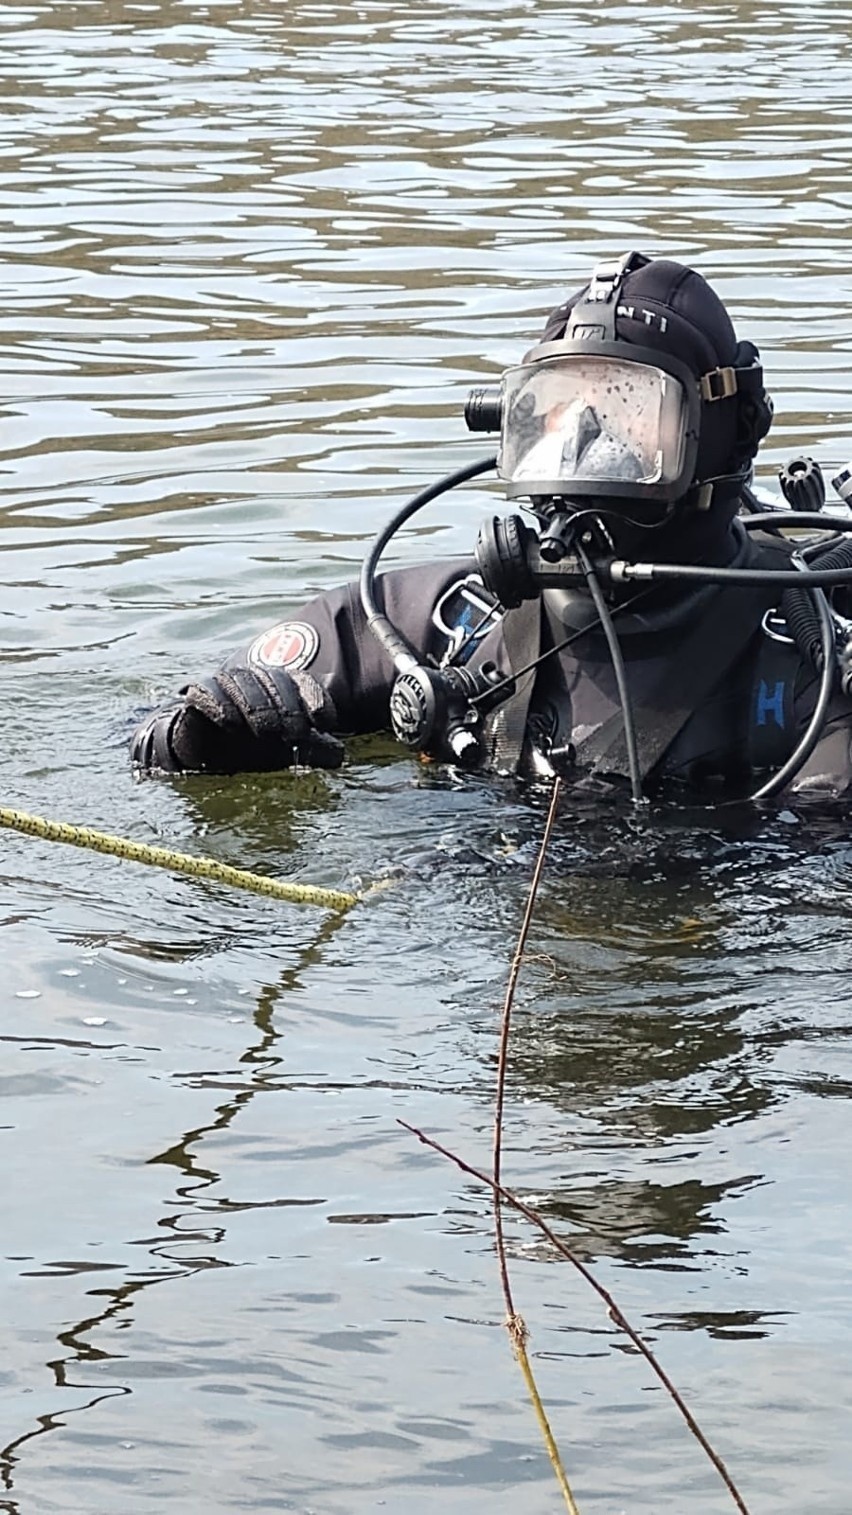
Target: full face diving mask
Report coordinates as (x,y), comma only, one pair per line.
(595,425)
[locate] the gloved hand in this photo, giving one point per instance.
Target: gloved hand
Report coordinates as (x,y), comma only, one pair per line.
(241,720)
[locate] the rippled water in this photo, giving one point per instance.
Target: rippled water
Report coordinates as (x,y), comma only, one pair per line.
(253,256)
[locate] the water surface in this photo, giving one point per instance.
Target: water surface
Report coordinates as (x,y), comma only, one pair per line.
(253,257)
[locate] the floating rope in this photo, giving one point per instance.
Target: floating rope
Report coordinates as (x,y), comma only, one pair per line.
(175,862)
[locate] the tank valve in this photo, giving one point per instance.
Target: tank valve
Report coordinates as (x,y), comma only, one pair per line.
(842,484)
(802,484)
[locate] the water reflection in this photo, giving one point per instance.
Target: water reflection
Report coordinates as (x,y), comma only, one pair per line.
(252,263)
(646,1043)
(179,1241)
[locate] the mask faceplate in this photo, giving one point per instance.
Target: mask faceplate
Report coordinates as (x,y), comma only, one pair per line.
(580,420)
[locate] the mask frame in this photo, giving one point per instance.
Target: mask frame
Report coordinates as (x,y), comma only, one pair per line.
(594,491)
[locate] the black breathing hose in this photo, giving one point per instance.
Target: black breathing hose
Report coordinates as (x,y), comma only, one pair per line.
(805,604)
(620,673)
(643,573)
(395,644)
(625,573)
(799,610)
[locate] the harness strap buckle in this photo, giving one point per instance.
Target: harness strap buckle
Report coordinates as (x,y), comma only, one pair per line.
(608,277)
(719,384)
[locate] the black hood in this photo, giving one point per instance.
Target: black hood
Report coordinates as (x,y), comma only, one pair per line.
(670,308)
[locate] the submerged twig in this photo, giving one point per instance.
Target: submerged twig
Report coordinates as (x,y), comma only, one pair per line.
(505,1025)
(614,1311)
(515,1324)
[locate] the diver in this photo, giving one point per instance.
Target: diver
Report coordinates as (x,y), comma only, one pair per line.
(654,628)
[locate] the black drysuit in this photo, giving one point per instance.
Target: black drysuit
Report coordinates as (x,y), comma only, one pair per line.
(719,692)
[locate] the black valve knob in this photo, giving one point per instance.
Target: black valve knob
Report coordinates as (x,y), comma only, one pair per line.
(802,484)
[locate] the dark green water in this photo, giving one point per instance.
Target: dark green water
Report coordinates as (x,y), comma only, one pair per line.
(252,258)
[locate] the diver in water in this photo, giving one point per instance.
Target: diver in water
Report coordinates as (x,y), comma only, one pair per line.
(653,626)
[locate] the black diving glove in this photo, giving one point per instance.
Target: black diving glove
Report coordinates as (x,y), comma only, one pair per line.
(242,720)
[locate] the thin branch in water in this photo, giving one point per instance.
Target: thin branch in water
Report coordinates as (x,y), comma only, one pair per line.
(614,1312)
(505,1026)
(515,1324)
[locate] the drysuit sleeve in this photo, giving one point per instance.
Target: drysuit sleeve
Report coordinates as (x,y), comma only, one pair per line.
(289,695)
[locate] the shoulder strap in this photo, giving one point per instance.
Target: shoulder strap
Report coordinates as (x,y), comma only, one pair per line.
(506,727)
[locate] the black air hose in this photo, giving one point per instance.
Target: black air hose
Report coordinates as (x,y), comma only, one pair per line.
(798,610)
(803,624)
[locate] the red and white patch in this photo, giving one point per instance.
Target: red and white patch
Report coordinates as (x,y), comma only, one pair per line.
(292,645)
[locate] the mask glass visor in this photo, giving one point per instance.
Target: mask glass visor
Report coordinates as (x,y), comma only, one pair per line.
(592,419)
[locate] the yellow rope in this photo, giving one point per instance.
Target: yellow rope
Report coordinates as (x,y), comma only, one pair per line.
(176,862)
(518,1332)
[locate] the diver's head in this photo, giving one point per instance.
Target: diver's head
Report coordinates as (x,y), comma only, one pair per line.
(639,406)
